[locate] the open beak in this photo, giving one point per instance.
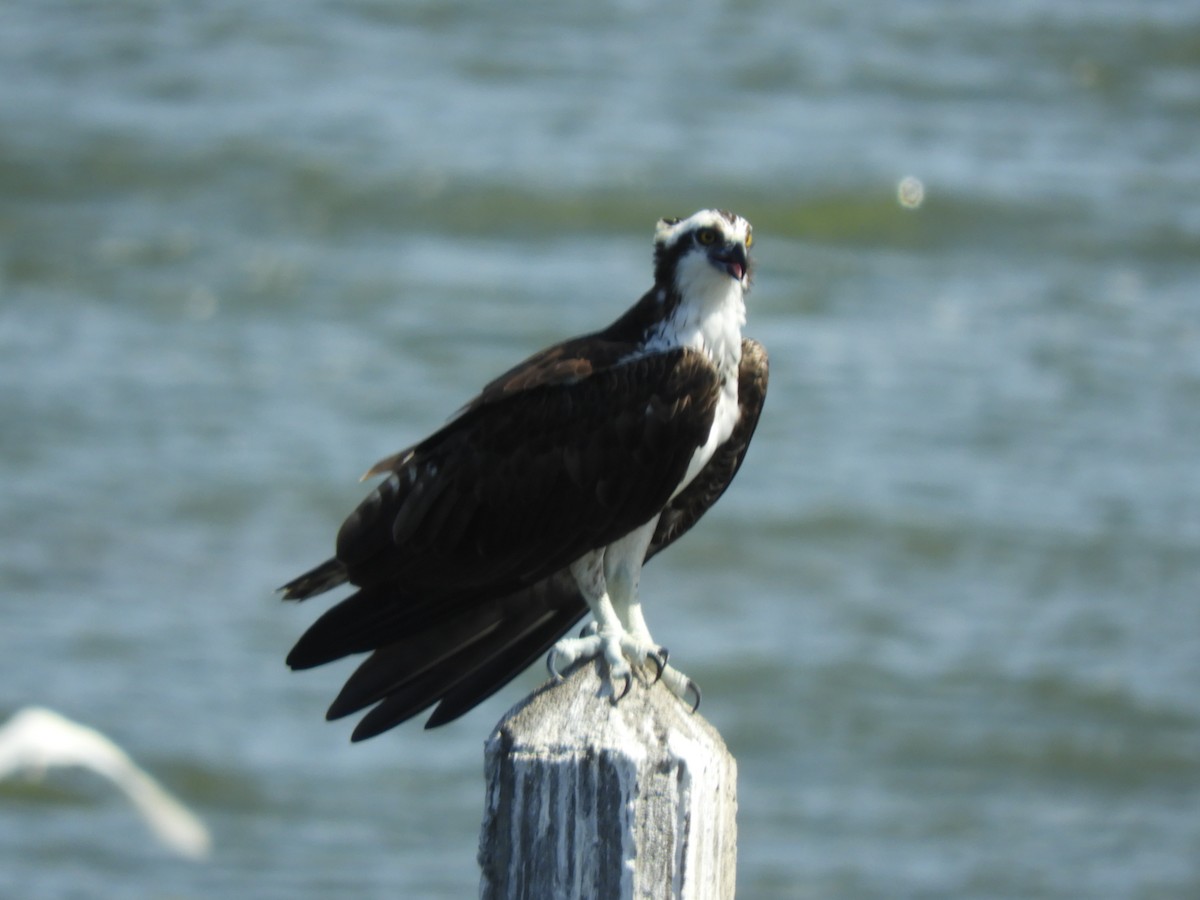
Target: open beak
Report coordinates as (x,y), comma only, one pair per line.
(730,258)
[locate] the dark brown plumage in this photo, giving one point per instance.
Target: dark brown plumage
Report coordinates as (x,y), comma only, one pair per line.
(460,649)
(460,555)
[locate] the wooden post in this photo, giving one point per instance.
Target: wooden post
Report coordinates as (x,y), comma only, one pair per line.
(591,799)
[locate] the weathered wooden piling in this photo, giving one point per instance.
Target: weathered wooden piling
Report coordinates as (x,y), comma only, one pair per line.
(591,799)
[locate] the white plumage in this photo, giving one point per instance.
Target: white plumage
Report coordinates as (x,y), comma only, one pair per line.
(37,739)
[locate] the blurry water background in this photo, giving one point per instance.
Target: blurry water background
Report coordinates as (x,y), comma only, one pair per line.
(947,619)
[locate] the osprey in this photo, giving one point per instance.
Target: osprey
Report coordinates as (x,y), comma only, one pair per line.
(543,497)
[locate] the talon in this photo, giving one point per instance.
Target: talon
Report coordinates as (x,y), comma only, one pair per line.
(660,662)
(553,669)
(694,688)
(628,687)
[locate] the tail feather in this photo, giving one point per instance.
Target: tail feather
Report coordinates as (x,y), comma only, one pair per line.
(503,667)
(474,671)
(452,651)
(324,577)
(408,701)
(366,620)
(397,665)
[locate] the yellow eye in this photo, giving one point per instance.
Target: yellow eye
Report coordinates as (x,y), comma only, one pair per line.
(706,236)
(749,240)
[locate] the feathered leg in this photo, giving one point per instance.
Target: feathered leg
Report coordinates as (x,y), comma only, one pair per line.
(608,580)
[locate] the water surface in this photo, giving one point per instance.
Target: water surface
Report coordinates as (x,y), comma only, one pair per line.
(946,619)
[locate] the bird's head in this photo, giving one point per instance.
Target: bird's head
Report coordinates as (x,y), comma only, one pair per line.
(707,247)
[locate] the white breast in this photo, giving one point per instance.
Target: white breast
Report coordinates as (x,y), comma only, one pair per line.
(724,420)
(710,320)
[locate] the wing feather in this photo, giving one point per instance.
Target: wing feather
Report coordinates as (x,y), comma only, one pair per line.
(505,484)
(465,634)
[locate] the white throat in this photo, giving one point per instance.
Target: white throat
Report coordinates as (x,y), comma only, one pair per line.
(710,315)
(709,318)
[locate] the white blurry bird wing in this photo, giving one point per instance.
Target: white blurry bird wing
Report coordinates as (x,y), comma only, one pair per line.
(35,740)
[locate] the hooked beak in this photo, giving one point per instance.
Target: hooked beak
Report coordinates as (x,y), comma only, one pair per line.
(731,259)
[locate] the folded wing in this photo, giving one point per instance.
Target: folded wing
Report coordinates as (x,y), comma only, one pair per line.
(460,553)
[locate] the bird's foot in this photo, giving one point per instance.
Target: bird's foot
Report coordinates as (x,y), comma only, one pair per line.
(618,650)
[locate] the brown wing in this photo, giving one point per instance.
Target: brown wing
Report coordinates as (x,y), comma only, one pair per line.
(521,485)
(461,647)
(557,598)
(562,364)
